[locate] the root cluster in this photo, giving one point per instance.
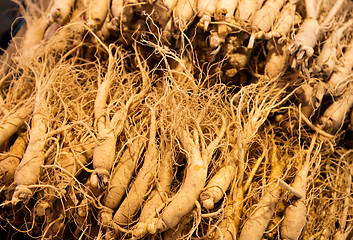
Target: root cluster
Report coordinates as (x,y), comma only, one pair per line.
(177,120)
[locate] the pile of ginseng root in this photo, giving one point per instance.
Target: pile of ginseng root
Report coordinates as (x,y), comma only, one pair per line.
(179,119)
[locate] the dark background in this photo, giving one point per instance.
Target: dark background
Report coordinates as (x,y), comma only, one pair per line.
(8,14)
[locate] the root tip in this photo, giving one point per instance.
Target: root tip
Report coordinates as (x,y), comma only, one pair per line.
(22,194)
(140,230)
(100,178)
(154,225)
(42,207)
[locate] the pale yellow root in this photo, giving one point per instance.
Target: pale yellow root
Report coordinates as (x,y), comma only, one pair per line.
(103,157)
(11,123)
(184,200)
(159,196)
(104,31)
(181,230)
(97,11)
(9,164)
(69,164)
(73,158)
(108,130)
(123,173)
(144,180)
(217,186)
(345,226)
(294,220)
(28,171)
(233,212)
(225,10)
(122,14)
(229,227)
(205,11)
(34,35)
(264,19)
(310,96)
(61,10)
(245,12)
(196,173)
(302,47)
(225,13)
(327,59)
(284,23)
(334,116)
(117,8)
(50,31)
(6,60)
(339,235)
(341,75)
(277,59)
(257,223)
(295,216)
(89,196)
(183,13)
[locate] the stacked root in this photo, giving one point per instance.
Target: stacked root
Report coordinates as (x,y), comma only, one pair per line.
(178,120)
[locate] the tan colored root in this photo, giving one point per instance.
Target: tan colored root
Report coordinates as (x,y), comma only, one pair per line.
(34,35)
(14,121)
(74,158)
(302,47)
(205,11)
(123,173)
(256,224)
(184,200)
(310,96)
(277,59)
(61,10)
(340,77)
(181,230)
(159,196)
(68,166)
(96,13)
(217,186)
(264,19)
(183,13)
(28,171)
(144,180)
(327,59)
(9,164)
(6,59)
(122,14)
(225,13)
(245,12)
(284,23)
(108,131)
(229,227)
(334,116)
(295,216)
(261,107)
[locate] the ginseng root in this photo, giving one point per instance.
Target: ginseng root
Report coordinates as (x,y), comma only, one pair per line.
(9,164)
(28,171)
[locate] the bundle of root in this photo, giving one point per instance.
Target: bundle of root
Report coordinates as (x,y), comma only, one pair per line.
(124,119)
